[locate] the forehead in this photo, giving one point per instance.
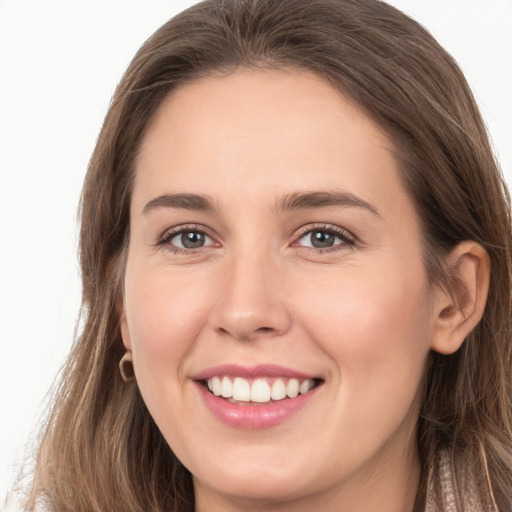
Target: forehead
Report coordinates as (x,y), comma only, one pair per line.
(265,131)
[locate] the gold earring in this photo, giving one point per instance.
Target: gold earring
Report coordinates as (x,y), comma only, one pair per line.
(127,372)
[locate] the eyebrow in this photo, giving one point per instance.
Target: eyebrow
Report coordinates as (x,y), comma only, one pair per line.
(310,200)
(290,202)
(182,201)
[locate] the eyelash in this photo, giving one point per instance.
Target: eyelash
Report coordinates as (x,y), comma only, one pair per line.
(165,240)
(347,239)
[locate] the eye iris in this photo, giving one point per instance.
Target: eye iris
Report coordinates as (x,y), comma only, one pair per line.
(192,239)
(322,239)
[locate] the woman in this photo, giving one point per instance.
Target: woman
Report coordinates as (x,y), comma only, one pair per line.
(296,261)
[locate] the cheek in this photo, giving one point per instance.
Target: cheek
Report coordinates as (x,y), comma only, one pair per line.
(370,311)
(376,330)
(165,314)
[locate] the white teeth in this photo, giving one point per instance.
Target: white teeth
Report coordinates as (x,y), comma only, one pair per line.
(260,391)
(216,386)
(305,386)
(241,390)
(292,388)
(278,391)
(227,387)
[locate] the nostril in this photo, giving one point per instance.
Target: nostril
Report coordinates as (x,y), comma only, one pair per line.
(250,323)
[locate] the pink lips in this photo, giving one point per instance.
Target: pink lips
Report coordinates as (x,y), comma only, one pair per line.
(262,370)
(249,415)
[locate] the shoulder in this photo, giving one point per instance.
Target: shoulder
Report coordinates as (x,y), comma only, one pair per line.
(459,484)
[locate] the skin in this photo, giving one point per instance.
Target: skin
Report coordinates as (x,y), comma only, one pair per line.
(361,316)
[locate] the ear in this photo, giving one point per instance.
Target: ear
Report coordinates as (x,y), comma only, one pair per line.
(459,308)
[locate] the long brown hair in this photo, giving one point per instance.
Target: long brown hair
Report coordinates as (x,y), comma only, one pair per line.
(101,450)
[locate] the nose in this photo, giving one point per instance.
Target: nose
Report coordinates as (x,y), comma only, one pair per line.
(251,300)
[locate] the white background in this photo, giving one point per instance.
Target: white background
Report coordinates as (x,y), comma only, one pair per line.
(59,63)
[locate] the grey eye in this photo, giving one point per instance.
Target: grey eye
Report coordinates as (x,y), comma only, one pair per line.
(190,240)
(322,239)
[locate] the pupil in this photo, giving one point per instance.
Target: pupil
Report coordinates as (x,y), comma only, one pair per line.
(192,239)
(321,239)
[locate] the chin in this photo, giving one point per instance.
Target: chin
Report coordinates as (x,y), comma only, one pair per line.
(259,482)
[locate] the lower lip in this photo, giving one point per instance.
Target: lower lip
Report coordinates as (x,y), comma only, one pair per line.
(254,416)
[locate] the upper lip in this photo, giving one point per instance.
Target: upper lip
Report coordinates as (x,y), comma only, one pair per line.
(251,372)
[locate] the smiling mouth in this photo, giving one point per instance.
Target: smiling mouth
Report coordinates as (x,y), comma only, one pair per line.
(242,391)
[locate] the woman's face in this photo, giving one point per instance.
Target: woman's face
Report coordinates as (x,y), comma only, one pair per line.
(273,247)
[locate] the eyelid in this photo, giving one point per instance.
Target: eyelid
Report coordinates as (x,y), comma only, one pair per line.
(348,238)
(170,233)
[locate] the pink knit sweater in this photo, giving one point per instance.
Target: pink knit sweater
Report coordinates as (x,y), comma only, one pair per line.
(459,495)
